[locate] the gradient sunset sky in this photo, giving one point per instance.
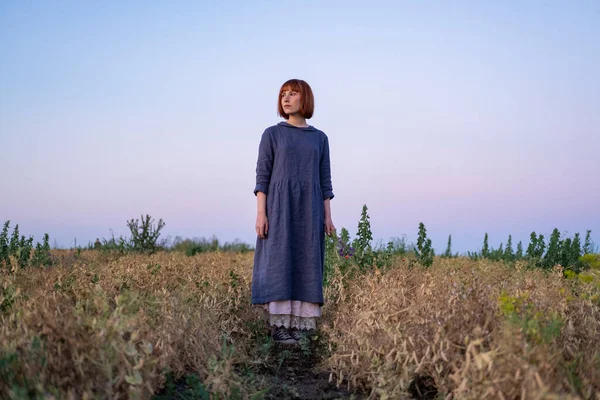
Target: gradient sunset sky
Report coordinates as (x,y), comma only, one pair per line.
(470,116)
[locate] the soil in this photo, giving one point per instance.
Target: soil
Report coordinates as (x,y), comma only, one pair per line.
(286,371)
(294,374)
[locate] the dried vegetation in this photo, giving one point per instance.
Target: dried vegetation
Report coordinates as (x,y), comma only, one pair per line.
(98,326)
(116,328)
(468,330)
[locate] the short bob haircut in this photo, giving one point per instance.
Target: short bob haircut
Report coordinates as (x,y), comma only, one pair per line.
(307,100)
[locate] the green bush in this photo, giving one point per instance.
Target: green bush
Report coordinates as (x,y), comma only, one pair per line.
(23,253)
(144,234)
(535,250)
(552,256)
(485,251)
(4,246)
(41,255)
(363,253)
(424,251)
(519,253)
(14,242)
(448,252)
(588,247)
(20,249)
(509,255)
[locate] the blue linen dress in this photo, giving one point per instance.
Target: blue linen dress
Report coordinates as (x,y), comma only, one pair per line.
(293,170)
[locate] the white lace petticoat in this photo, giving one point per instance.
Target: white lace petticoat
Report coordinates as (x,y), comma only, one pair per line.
(292,314)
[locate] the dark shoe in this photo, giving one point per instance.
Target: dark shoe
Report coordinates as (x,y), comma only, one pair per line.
(297,334)
(281,335)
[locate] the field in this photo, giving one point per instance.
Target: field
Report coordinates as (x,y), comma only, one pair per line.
(102,325)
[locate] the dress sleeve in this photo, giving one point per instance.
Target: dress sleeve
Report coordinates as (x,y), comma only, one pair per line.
(264,165)
(326,187)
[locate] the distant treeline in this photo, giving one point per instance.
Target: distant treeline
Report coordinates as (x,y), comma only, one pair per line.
(145,233)
(189,246)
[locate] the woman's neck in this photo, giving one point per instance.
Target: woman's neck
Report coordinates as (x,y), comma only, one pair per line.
(297,120)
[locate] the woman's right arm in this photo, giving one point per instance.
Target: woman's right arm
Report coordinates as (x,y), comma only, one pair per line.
(262,223)
(264,164)
(264,167)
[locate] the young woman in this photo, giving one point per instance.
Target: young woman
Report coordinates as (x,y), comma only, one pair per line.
(293,190)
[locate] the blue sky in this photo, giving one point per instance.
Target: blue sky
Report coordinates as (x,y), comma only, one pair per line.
(472,117)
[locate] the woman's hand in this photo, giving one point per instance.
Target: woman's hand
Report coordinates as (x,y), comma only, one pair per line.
(262,225)
(329,227)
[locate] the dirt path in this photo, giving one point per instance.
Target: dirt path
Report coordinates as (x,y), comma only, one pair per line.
(294,374)
(289,372)
(284,371)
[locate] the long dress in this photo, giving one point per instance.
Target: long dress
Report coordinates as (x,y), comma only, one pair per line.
(293,170)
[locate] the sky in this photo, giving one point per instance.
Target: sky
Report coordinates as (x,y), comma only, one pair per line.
(470,117)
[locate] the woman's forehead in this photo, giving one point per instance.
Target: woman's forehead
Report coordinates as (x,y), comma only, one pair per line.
(289,88)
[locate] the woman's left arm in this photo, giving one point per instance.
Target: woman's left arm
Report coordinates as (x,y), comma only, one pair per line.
(325,172)
(326,187)
(329,227)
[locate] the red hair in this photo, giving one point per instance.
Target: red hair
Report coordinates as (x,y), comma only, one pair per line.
(307,100)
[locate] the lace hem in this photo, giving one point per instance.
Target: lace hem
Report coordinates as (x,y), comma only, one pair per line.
(293,321)
(293,307)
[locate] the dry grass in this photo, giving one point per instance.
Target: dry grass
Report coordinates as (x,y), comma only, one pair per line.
(98,327)
(475,329)
(102,328)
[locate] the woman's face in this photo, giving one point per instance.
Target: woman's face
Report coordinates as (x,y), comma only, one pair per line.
(290,101)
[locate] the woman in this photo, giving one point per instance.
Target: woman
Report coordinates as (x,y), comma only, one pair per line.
(293,190)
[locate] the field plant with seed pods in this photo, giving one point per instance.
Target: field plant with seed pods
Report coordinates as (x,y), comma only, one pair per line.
(171,324)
